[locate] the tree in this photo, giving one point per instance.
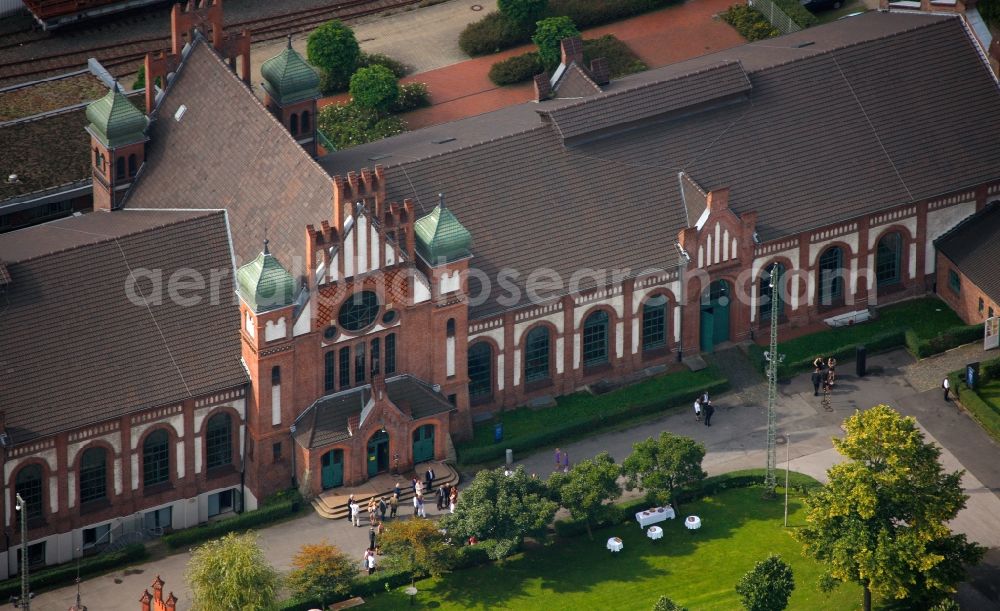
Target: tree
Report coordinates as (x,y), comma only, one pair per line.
(587,488)
(548,35)
(140,79)
(666,604)
(333,49)
(881,520)
(232,573)
(523,11)
(767,586)
(416,545)
(502,507)
(321,572)
(663,465)
(375,87)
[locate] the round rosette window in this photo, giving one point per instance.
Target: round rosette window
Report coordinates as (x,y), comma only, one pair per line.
(359,311)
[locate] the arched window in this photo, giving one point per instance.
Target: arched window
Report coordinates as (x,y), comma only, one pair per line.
(390,353)
(132,165)
(275,375)
(480,370)
(345,368)
(329,371)
(93,475)
(305,122)
(536,354)
(595,338)
(120,167)
(219,441)
(831,275)
(654,322)
(156,458)
(29,485)
(888,259)
(293,124)
(766,292)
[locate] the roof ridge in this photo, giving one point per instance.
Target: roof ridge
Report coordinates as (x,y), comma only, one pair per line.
(939,21)
(106,237)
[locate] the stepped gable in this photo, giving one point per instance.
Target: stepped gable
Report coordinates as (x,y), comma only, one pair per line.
(150,355)
(820,129)
(227,151)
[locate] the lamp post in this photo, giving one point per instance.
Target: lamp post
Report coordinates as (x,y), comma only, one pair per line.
(25,602)
(79,606)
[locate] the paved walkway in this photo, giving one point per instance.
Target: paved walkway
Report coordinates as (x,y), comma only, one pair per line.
(735,441)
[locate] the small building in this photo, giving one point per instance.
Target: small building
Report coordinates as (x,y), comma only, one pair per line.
(968,266)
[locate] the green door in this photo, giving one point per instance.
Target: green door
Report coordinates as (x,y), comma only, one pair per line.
(715,315)
(423,443)
(707,329)
(378,453)
(333,469)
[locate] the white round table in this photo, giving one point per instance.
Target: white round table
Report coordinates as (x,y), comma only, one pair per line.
(692,522)
(615,544)
(654,532)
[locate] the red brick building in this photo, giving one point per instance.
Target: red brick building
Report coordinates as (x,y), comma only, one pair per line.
(968,266)
(382,297)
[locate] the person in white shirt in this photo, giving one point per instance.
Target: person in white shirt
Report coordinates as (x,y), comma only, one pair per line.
(945,384)
(697,409)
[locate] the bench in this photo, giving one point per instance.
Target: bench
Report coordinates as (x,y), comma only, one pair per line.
(357,601)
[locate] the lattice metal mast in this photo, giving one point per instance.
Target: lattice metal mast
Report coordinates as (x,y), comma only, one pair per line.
(773,360)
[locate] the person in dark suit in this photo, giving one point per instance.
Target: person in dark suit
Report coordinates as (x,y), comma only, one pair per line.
(709,410)
(817,379)
(429,479)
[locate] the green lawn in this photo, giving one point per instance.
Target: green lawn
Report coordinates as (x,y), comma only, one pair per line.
(928,317)
(698,570)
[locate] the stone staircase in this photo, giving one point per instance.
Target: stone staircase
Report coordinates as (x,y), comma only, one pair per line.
(332,504)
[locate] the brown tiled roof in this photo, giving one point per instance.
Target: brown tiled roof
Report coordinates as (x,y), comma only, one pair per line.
(575,83)
(625,106)
(327,420)
(75,349)
(974,247)
(229,152)
(829,130)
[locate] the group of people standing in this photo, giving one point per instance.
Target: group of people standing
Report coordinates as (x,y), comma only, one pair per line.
(562,461)
(824,374)
(703,407)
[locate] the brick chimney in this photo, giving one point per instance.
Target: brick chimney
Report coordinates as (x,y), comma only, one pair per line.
(572,51)
(543,87)
(155,602)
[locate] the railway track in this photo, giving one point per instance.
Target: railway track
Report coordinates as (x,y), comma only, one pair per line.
(128,52)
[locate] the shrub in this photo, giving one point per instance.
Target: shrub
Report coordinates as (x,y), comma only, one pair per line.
(411,97)
(398,68)
(65,574)
(516,69)
(549,33)
(140,79)
(333,49)
(347,125)
(491,34)
(469,556)
(374,88)
(797,13)
(749,22)
(244,521)
(522,11)
(989,370)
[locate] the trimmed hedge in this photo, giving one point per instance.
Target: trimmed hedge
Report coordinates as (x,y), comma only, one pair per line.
(878,342)
(569,428)
(398,68)
(245,521)
(950,338)
(984,412)
(516,69)
(798,13)
(749,22)
(494,32)
(65,574)
(746,478)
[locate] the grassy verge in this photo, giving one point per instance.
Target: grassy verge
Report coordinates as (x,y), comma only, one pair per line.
(984,402)
(928,321)
(697,569)
(582,413)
